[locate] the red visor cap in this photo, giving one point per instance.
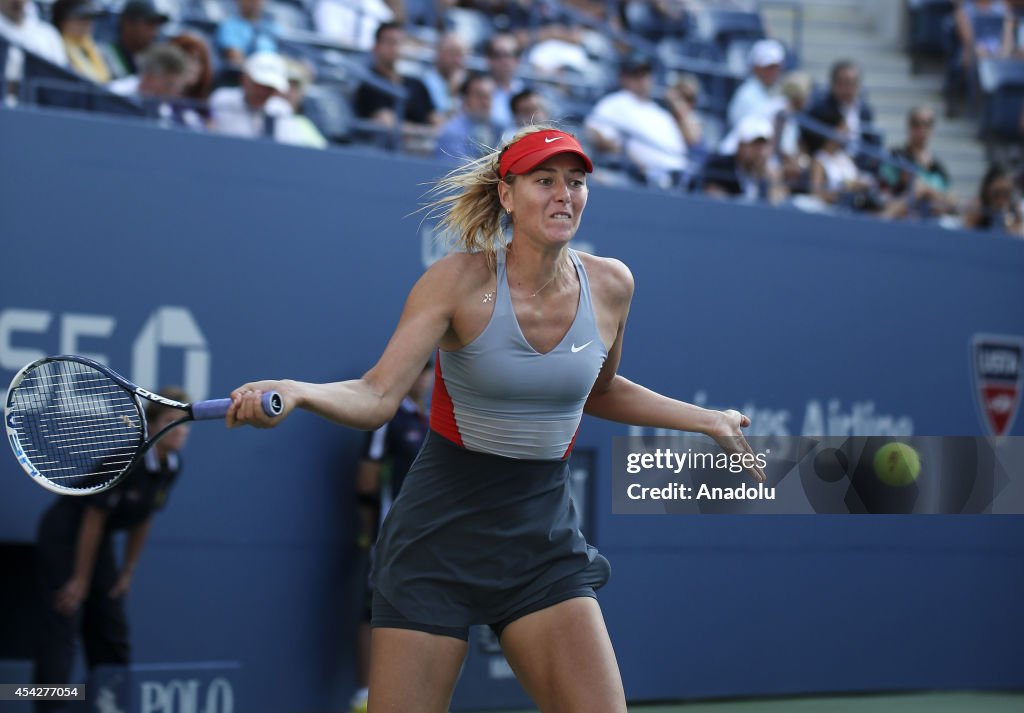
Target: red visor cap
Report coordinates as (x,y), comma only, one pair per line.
(534,149)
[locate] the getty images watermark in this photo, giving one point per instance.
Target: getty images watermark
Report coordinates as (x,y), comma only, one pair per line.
(689,474)
(674,462)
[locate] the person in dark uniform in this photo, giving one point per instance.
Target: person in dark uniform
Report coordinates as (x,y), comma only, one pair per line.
(82,585)
(528,336)
(388,453)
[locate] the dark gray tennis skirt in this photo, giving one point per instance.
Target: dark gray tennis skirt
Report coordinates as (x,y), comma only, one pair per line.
(474,538)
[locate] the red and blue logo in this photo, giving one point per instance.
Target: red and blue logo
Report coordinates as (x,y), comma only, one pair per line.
(996,366)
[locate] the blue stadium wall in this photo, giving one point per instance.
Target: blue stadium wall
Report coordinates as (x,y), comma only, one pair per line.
(179,257)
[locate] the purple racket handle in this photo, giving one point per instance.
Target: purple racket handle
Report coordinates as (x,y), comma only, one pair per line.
(213,409)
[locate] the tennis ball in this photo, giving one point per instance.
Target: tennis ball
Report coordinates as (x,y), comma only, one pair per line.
(897,464)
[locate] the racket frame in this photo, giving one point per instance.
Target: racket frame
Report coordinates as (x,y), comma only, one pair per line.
(272,405)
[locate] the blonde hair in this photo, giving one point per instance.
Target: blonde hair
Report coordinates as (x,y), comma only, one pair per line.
(467,205)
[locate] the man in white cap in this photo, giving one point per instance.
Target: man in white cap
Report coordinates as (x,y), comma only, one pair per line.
(629,122)
(258,106)
(742,167)
(758,92)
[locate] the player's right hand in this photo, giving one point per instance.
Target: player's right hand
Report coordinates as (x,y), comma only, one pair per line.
(247,408)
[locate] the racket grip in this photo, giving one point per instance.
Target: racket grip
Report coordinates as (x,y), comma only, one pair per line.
(214,409)
(273,403)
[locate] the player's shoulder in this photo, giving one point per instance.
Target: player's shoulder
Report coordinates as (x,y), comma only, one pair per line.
(460,271)
(608,276)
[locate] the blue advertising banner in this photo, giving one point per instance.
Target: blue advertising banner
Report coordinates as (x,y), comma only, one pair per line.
(209,262)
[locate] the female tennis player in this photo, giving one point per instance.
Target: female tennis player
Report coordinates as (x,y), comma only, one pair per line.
(528,337)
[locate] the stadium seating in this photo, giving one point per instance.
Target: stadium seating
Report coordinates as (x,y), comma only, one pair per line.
(710,41)
(46,84)
(327,108)
(1002,85)
(928,23)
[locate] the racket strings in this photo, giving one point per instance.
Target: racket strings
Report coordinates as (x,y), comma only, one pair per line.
(78,427)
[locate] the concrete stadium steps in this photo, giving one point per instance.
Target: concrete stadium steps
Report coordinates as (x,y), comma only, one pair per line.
(838,29)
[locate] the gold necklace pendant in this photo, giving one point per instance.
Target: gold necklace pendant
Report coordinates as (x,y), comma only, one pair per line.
(541,288)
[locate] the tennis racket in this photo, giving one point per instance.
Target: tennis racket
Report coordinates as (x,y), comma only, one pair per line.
(77,427)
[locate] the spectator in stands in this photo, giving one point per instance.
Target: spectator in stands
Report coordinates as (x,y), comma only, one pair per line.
(510,15)
(984,28)
(247,32)
(561,56)
(528,107)
(503,63)
(658,19)
(844,97)
(538,22)
(925,192)
(835,178)
(630,122)
(790,148)
(28,32)
(996,208)
(1016,39)
(579,25)
(200,81)
(757,92)
(470,133)
(74,19)
(444,79)
(258,107)
(419,117)
(164,71)
(163,74)
(137,29)
(747,172)
(301,131)
(353,23)
(682,97)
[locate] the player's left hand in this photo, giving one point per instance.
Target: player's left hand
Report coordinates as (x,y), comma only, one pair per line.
(728,434)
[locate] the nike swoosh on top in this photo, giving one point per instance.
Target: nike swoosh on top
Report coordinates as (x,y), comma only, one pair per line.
(575,348)
(556,138)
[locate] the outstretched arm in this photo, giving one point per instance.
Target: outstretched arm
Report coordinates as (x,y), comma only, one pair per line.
(628,402)
(370,401)
(616,398)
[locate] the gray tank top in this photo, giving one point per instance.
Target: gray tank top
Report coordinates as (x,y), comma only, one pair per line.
(499,395)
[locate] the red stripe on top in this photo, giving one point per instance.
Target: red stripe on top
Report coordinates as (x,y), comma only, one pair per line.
(442,413)
(568,450)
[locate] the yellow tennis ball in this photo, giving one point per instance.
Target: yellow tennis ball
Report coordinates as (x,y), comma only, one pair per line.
(897,464)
